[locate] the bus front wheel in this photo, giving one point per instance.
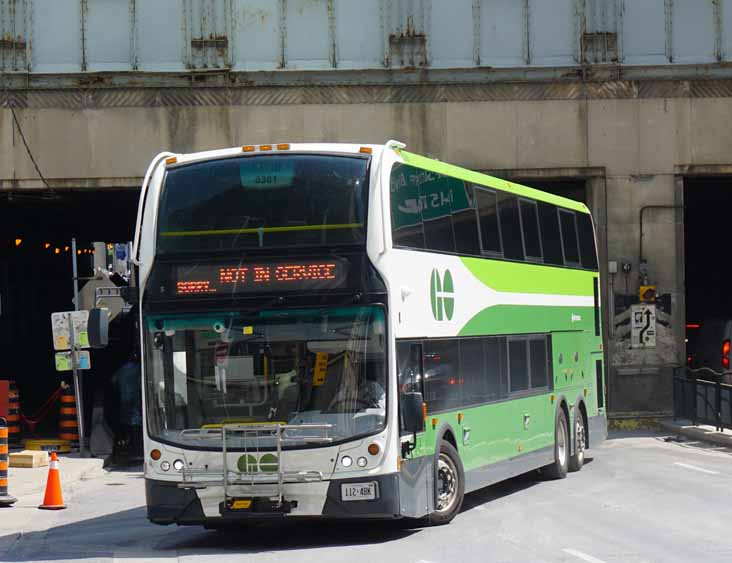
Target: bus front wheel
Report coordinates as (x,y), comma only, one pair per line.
(558,469)
(449,485)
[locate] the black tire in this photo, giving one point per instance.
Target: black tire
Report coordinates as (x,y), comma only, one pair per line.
(577,459)
(558,469)
(449,485)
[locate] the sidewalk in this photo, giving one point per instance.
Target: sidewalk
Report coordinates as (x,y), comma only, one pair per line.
(26,481)
(700,432)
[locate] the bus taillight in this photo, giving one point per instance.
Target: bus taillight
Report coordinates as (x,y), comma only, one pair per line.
(725,354)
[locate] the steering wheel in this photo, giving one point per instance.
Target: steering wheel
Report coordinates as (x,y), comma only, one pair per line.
(340,403)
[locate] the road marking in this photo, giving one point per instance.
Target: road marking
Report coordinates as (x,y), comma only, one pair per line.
(695,468)
(583,556)
(122,557)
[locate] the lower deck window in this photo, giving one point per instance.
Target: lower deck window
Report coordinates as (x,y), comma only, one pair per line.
(458,372)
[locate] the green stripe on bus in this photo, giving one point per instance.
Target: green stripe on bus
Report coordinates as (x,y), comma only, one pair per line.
(512,277)
(490,181)
(528,319)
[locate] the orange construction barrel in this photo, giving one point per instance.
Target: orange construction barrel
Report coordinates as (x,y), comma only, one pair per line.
(68,425)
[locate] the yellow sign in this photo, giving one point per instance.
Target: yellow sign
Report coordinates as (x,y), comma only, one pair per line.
(248,330)
(647,293)
(321,368)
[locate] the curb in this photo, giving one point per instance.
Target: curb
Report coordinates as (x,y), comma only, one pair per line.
(69,479)
(699,433)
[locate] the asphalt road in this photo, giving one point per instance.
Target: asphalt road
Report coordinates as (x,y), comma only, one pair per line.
(640,498)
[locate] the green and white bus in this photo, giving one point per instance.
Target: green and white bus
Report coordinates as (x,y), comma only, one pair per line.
(356,331)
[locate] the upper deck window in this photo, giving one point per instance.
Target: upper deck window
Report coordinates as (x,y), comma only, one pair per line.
(440,213)
(268,201)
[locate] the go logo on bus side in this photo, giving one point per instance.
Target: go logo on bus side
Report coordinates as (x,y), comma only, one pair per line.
(442,295)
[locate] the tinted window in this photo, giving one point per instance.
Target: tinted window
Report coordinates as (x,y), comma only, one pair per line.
(518,365)
(538,359)
(508,214)
(406,218)
(411,236)
(465,226)
(530,226)
(600,386)
(409,367)
(442,382)
(569,237)
(266,201)
(588,254)
(438,234)
(495,380)
(551,237)
(488,219)
(472,371)
(432,211)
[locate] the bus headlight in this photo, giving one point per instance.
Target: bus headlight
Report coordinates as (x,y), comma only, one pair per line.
(361,462)
(346,461)
(178,464)
(165,465)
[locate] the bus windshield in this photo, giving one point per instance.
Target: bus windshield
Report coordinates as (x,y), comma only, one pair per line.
(324,367)
(264,201)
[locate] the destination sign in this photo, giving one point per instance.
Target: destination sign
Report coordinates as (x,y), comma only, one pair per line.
(213,279)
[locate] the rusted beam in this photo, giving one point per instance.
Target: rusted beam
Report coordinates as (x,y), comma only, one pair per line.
(213,43)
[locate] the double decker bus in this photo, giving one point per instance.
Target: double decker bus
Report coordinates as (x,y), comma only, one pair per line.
(356,331)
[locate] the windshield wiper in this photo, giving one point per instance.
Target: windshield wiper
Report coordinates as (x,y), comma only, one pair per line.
(201,433)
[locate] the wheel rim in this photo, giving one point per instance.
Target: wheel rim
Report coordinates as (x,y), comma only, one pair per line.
(447,484)
(580,437)
(562,443)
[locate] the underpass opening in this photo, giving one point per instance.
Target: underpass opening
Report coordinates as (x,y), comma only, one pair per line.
(36,280)
(708,297)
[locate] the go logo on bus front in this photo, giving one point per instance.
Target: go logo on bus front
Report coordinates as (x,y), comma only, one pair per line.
(442,295)
(266,464)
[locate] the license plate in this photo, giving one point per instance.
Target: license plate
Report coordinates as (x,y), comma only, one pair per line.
(240,504)
(358,491)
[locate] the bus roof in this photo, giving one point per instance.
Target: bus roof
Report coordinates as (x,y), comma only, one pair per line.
(490,181)
(408,157)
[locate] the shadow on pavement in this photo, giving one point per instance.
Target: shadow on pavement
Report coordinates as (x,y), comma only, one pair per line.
(500,490)
(292,535)
(689,443)
(128,534)
(625,434)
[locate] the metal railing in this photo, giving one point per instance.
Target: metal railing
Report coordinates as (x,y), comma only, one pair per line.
(259,470)
(260,475)
(701,397)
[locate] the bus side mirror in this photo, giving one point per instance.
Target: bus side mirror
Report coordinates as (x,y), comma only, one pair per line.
(412,412)
(98,328)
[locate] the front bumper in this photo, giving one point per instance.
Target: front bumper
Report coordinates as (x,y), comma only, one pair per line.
(167,503)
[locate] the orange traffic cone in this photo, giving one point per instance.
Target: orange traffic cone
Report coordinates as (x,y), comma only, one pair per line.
(53,499)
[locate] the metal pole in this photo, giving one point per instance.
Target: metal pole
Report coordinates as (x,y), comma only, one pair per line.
(718,404)
(77,376)
(77,386)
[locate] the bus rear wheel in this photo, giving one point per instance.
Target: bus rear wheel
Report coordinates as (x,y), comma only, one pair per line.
(558,469)
(577,460)
(449,485)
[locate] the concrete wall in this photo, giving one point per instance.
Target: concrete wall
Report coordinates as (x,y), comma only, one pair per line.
(636,144)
